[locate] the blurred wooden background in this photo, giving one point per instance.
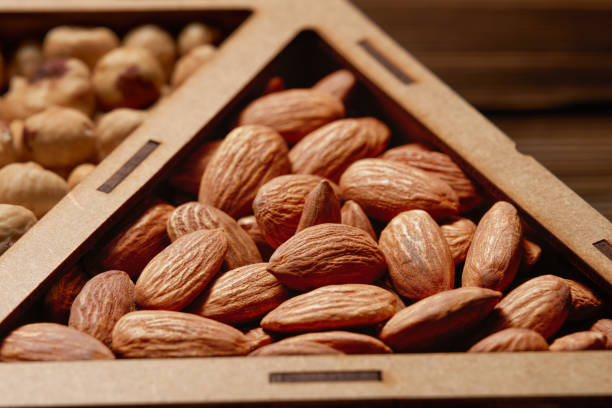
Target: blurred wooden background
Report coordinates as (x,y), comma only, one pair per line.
(541,70)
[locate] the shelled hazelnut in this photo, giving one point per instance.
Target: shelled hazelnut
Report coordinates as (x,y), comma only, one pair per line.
(79,173)
(15,221)
(7,150)
(114,127)
(190,62)
(26,59)
(157,40)
(88,44)
(195,34)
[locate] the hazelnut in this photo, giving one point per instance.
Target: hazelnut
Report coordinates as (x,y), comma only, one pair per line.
(79,173)
(16,128)
(26,60)
(128,77)
(7,150)
(31,186)
(189,63)
(59,137)
(195,34)
(88,44)
(15,221)
(158,41)
(115,127)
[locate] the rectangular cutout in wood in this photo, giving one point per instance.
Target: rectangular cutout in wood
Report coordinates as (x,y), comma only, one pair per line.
(385,62)
(326,376)
(128,167)
(604,247)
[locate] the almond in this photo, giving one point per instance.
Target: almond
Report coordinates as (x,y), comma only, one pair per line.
(182,271)
(161,333)
(346,342)
(250,226)
(511,340)
(193,216)
(294,348)
(385,188)
(419,260)
(540,304)
(531,255)
(51,342)
(352,214)
(586,340)
(240,295)
(188,173)
(332,307)
(338,83)
(59,298)
(248,157)
(102,301)
(604,326)
(258,338)
(274,84)
(321,206)
(495,254)
(293,113)
(459,233)
(437,320)
(327,254)
(329,150)
(585,303)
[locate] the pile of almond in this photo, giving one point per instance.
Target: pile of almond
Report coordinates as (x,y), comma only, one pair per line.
(310,236)
(67,101)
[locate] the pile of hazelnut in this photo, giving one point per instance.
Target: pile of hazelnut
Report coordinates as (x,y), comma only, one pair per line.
(69,100)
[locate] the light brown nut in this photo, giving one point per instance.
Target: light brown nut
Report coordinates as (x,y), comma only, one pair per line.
(16,129)
(495,254)
(511,340)
(419,260)
(338,83)
(258,338)
(58,300)
(240,295)
(31,186)
(585,340)
(88,44)
(26,59)
(384,189)
(51,342)
(332,307)
(59,137)
(192,216)
(440,165)
(352,214)
(459,233)
(114,127)
(179,273)
(330,150)
(540,304)
(155,39)
(346,342)
(104,299)
(293,348)
(293,113)
(279,203)
(79,173)
(248,157)
(604,326)
(531,255)
(249,224)
(274,84)
(327,254)
(435,321)
(321,206)
(162,334)
(15,221)
(189,63)
(129,78)
(188,173)
(8,154)
(194,35)
(137,241)
(585,303)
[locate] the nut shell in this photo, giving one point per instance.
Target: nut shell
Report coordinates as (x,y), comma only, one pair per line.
(15,221)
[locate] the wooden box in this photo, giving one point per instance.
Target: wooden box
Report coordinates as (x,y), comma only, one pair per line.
(301,41)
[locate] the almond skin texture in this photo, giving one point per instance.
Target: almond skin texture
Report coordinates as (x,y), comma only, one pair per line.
(294,348)
(332,307)
(329,150)
(540,304)
(293,113)
(604,326)
(531,254)
(511,340)
(182,271)
(240,295)
(327,254)
(279,204)
(586,340)
(346,342)
(104,299)
(495,254)
(438,319)
(248,157)
(352,214)
(59,298)
(258,338)
(51,342)
(338,83)
(419,260)
(193,216)
(189,173)
(459,233)
(162,333)
(321,206)
(385,188)
(585,303)
(249,225)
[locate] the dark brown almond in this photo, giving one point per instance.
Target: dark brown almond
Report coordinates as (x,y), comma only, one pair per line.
(102,301)
(511,340)
(585,303)
(293,348)
(346,342)
(604,326)
(419,260)
(459,233)
(585,340)
(59,298)
(178,274)
(338,83)
(352,214)
(531,255)
(258,338)
(321,206)
(249,224)
(188,173)
(274,84)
